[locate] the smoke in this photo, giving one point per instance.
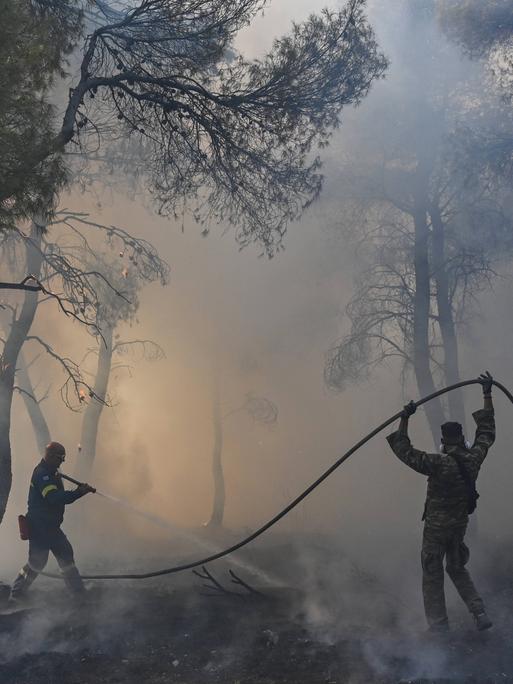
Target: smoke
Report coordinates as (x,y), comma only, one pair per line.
(264,326)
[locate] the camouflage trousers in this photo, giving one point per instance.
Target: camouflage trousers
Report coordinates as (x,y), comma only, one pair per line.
(439,543)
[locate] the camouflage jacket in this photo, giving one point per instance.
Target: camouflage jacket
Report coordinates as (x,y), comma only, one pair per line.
(447,493)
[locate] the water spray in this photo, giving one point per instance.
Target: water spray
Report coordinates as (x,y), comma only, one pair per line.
(177,531)
(122,502)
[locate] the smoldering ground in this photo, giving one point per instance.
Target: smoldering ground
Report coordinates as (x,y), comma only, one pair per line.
(340,623)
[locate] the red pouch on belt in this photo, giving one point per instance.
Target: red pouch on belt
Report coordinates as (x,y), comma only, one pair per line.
(24,527)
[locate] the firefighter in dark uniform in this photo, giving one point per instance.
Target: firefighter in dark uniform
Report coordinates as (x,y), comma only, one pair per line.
(451,496)
(46,501)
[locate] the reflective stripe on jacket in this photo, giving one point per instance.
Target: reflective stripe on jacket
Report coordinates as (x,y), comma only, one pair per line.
(47,497)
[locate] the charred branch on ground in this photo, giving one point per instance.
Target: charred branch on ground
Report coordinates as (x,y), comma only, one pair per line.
(216,589)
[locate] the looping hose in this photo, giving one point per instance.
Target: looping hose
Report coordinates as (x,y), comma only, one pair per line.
(292,504)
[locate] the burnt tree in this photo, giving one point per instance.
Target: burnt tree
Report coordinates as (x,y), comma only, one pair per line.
(108,349)
(262,411)
(19,329)
(70,277)
(32,403)
(413,199)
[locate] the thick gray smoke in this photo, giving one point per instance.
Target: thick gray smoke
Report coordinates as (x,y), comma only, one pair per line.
(265,326)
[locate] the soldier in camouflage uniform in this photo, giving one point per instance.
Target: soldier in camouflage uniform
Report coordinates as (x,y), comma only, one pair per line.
(451,495)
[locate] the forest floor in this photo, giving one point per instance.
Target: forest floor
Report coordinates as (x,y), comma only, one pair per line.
(180,631)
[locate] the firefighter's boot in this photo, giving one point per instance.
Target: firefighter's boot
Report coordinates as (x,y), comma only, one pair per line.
(22,582)
(73,580)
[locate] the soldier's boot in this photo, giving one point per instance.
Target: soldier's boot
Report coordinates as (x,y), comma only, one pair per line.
(439,627)
(73,580)
(22,582)
(468,592)
(482,621)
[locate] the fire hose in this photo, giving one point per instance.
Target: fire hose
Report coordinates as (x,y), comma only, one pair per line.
(291,505)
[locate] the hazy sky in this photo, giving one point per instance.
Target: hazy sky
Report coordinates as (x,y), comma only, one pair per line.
(262,326)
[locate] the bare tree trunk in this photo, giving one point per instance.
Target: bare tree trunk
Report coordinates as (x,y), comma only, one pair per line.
(445,316)
(421,349)
(216,519)
(13,344)
(36,415)
(93,412)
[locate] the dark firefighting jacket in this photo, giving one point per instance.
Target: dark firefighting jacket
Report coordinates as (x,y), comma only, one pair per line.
(447,492)
(47,497)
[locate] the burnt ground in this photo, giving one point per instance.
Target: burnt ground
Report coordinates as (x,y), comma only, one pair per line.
(175,630)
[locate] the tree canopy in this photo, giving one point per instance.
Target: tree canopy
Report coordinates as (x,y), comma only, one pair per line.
(236,137)
(30,57)
(476,25)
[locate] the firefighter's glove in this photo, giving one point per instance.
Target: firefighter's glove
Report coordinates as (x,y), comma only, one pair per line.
(486,381)
(84,489)
(409,409)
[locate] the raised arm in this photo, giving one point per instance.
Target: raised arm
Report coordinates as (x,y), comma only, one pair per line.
(408,411)
(420,461)
(485,420)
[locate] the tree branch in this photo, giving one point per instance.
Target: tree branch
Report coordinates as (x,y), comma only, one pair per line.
(75,383)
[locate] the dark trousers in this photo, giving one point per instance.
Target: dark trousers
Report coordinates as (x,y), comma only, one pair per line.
(41,542)
(439,543)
